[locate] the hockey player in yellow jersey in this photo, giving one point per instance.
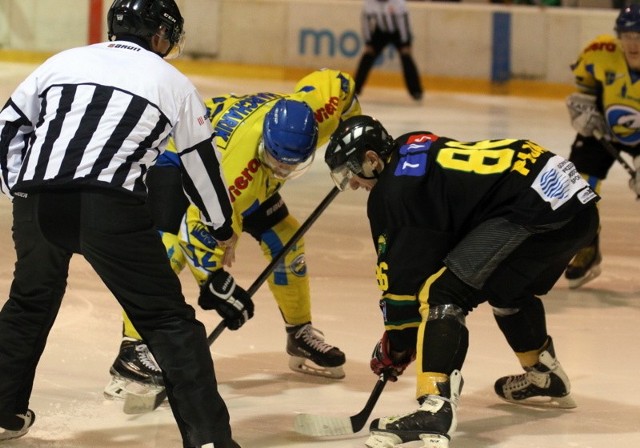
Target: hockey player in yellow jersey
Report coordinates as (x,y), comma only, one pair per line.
(606,104)
(265,139)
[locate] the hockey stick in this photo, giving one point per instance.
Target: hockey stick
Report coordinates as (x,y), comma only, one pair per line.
(323,425)
(606,144)
(140,403)
(614,152)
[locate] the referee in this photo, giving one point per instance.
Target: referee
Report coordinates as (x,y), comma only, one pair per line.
(76,139)
(386,22)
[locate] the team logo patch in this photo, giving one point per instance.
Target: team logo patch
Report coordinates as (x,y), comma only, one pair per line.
(625,124)
(382,244)
(558,182)
(553,186)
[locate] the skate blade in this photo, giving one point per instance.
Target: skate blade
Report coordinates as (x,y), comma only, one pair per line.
(434,441)
(304,365)
(390,440)
(566,402)
(116,389)
(382,440)
(590,275)
(6,434)
(119,387)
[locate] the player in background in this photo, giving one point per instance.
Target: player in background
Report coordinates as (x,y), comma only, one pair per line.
(384,23)
(265,139)
(455,224)
(608,103)
(76,139)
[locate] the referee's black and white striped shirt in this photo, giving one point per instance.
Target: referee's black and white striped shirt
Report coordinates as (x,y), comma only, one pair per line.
(99,116)
(389,16)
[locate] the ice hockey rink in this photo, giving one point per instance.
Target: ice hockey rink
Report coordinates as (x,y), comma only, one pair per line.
(595,328)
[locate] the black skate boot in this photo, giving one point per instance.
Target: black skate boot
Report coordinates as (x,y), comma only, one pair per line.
(232,444)
(305,343)
(13,426)
(544,384)
(134,368)
(585,266)
(433,422)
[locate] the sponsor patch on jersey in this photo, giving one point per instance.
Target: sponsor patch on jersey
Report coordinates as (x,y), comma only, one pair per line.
(201,233)
(413,155)
(558,182)
(586,195)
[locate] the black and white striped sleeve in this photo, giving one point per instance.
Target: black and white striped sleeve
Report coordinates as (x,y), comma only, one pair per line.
(17,120)
(203,179)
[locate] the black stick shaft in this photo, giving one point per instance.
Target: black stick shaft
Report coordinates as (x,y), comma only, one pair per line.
(278,258)
(360,419)
(606,144)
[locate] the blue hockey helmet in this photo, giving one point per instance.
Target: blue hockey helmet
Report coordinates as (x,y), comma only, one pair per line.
(290,132)
(628,19)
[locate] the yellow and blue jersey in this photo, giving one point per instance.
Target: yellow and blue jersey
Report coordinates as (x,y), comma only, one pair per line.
(601,70)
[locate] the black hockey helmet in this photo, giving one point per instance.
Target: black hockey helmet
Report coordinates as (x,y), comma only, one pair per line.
(628,19)
(349,143)
(143,18)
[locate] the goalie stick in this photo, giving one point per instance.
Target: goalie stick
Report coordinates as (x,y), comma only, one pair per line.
(138,402)
(324,425)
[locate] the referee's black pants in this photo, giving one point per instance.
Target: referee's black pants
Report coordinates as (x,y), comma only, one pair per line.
(115,234)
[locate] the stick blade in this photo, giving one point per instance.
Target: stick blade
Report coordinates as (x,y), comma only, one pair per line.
(322,426)
(143,400)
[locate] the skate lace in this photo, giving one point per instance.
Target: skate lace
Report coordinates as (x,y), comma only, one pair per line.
(314,338)
(531,378)
(146,358)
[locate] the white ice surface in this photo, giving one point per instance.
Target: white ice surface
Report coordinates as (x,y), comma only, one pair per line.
(595,328)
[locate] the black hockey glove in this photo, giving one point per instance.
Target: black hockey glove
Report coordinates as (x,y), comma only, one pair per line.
(232,303)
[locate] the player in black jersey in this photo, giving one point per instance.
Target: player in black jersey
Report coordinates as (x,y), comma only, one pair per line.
(456,224)
(76,140)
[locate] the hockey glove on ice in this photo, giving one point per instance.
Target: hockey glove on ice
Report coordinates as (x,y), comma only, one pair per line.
(385,359)
(584,114)
(232,303)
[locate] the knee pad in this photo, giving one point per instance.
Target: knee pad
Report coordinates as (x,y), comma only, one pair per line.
(443,344)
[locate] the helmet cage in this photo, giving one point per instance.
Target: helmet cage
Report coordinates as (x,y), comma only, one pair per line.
(348,145)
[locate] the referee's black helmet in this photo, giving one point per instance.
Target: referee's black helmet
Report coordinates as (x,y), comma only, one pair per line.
(144,18)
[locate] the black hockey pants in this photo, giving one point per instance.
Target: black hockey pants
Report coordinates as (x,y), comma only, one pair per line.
(115,234)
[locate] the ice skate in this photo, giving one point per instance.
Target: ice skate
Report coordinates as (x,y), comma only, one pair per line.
(13,426)
(311,355)
(134,369)
(431,425)
(232,444)
(544,384)
(584,267)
